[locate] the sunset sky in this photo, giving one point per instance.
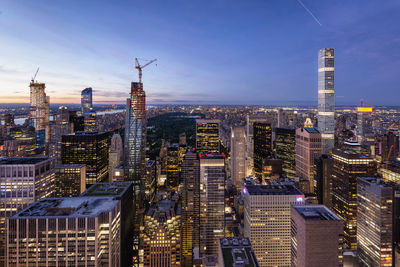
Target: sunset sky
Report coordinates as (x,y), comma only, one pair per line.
(209,51)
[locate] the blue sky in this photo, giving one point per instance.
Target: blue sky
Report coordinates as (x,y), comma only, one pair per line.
(216,52)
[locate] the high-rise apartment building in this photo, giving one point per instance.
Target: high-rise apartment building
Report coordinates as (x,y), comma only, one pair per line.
(347,166)
(86,100)
(22,181)
(238,155)
(375,203)
(212,202)
(262,135)
(190,207)
(39,113)
(207,136)
(285,149)
(317,237)
(267,221)
(326,98)
(70,180)
(79,231)
(89,148)
(162,235)
(308,147)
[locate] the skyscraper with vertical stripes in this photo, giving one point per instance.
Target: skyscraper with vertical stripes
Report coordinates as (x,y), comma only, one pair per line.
(326,98)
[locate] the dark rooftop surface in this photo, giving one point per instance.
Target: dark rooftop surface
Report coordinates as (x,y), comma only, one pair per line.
(23,160)
(316,213)
(107,189)
(273,190)
(311,130)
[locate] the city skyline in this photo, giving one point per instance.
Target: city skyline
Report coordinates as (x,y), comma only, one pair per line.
(205,53)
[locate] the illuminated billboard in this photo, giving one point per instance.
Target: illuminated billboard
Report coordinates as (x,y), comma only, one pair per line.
(365,109)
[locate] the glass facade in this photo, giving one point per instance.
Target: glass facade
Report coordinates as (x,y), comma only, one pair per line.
(262,133)
(207,136)
(285,149)
(86,100)
(326,98)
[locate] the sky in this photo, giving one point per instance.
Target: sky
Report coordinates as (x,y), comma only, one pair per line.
(261,52)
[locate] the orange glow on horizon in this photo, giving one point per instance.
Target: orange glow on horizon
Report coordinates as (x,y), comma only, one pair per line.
(365,109)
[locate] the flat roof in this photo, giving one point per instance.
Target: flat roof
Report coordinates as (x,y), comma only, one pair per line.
(316,213)
(273,189)
(107,189)
(311,130)
(22,160)
(71,166)
(238,252)
(68,207)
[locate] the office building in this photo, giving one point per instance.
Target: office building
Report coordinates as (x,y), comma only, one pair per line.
(212,202)
(86,100)
(173,168)
(308,147)
(89,148)
(123,192)
(236,252)
(38,235)
(22,181)
(25,142)
(238,155)
(60,126)
(347,166)
(285,149)
(271,169)
(267,221)
(207,136)
(250,120)
(326,98)
(162,235)
(262,135)
(150,183)
(375,207)
(70,180)
(323,179)
(190,207)
(8,119)
(317,237)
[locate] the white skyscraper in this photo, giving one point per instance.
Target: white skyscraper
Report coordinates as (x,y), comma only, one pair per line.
(238,155)
(326,98)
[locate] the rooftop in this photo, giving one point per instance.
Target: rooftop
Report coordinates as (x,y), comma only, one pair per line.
(68,207)
(311,130)
(22,160)
(237,252)
(107,189)
(275,189)
(376,181)
(69,166)
(316,213)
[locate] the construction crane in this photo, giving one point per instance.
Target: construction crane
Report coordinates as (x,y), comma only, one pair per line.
(33,78)
(140,67)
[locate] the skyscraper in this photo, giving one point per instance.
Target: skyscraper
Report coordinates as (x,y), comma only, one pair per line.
(308,147)
(347,166)
(70,180)
(262,134)
(326,98)
(115,155)
(89,148)
(134,152)
(317,237)
(207,136)
(162,235)
(375,200)
(86,100)
(238,155)
(323,179)
(212,202)
(94,234)
(173,166)
(267,221)
(190,207)
(23,181)
(285,149)
(39,113)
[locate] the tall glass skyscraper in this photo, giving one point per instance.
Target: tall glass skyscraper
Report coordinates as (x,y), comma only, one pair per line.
(326,98)
(135,145)
(86,100)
